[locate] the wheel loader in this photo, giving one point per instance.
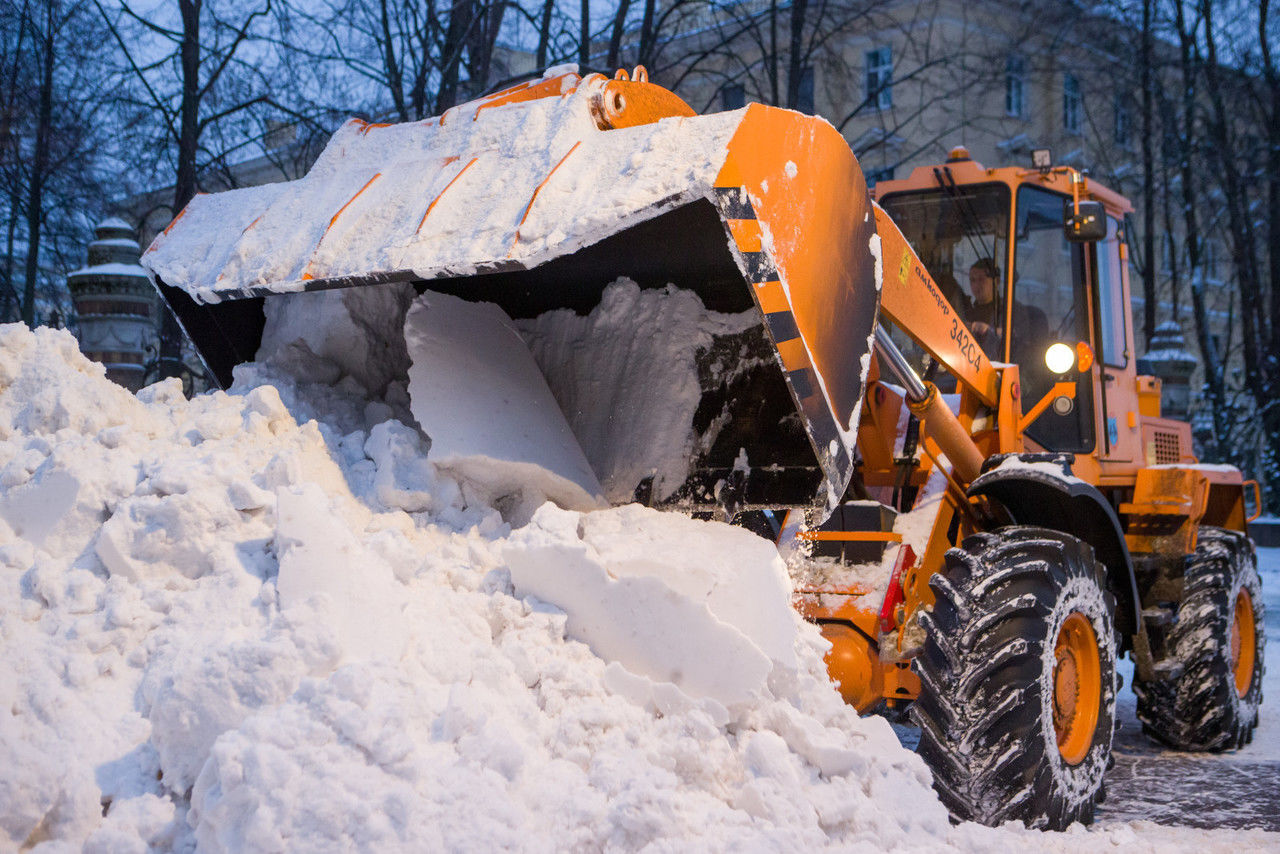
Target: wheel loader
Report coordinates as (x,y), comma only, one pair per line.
(980,500)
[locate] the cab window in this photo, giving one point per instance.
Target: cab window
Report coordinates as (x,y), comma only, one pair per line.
(1114,350)
(955,230)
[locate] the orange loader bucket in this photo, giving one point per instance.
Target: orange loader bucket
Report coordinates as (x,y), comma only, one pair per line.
(539,197)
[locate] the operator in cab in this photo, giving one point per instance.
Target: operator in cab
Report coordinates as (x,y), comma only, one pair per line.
(985,314)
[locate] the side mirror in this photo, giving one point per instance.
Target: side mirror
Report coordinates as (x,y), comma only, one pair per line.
(1087,226)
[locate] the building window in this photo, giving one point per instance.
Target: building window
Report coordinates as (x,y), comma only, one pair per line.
(732,96)
(1123,119)
(1070,103)
(1015,81)
(880,78)
(804,90)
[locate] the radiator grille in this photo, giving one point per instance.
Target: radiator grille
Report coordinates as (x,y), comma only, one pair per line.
(1167,449)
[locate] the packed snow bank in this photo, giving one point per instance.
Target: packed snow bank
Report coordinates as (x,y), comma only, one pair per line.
(353,334)
(493,423)
(682,610)
(236,631)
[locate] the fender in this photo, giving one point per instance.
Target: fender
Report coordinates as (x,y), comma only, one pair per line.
(1039,489)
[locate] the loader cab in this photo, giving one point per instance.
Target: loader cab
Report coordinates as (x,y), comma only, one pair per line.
(1050,290)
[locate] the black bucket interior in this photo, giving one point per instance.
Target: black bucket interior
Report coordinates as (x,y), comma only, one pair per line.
(746,404)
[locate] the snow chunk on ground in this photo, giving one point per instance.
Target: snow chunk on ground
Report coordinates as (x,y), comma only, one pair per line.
(709,614)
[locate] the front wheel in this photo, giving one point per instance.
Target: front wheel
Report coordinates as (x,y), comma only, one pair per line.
(1217,639)
(1018,685)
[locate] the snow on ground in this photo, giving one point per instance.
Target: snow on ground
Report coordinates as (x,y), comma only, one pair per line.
(1236,789)
(228,626)
(1265,746)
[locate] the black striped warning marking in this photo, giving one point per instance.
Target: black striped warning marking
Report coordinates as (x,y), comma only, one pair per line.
(760,267)
(782,325)
(733,203)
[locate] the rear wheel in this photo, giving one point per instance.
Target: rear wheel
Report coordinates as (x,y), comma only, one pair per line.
(1217,638)
(1017,700)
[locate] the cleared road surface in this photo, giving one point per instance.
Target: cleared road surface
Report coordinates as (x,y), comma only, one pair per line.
(1240,789)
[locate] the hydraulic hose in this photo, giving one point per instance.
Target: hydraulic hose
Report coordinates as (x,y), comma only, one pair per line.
(936,418)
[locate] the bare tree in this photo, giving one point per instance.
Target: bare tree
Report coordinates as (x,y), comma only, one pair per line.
(1210,178)
(186,68)
(408,59)
(1146,72)
(1243,143)
(49,141)
(190,73)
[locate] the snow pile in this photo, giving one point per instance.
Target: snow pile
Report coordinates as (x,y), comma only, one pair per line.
(223,630)
(227,629)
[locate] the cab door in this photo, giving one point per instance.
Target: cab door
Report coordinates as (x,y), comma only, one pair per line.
(1050,304)
(1114,350)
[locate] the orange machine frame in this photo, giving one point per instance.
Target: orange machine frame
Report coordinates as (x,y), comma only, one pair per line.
(1146,471)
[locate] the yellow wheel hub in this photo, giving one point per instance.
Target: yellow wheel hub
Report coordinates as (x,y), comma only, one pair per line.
(1244,642)
(1077,687)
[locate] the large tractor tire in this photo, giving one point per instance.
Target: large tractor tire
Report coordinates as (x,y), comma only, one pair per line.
(1018,684)
(1217,638)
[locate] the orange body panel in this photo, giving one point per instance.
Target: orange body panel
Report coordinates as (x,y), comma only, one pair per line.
(854,666)
(625,102)
(878,428)
(1165,441)
(973,172)
(816,269)
(547,87)
(1149,397)
(1166,509)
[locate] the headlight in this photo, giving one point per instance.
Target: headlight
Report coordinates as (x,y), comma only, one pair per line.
(1060,358)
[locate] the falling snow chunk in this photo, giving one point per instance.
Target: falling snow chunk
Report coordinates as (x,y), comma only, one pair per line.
(493,422)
